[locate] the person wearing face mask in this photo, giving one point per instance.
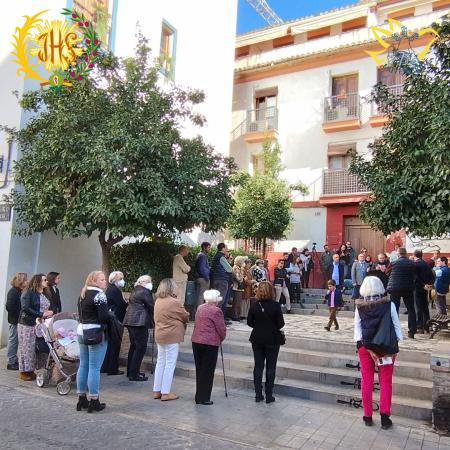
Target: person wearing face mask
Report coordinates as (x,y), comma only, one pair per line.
(117,306)
(138,320)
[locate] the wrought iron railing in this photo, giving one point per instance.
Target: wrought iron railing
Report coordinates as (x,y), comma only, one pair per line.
(342,107)
(340,181)
(262,119)
(395,90)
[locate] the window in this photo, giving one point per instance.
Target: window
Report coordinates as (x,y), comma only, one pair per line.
(338,157)
(318,33)
(167,50)
(389,78)
(97,12)
(344,85)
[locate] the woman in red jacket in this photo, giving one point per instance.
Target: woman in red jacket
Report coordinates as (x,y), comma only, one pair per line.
(209,332)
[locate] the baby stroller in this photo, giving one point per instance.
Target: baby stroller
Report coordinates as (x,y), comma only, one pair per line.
(60,335)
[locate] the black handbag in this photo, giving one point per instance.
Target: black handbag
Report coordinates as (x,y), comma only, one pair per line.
(91,336)
(41,346)
(385,341)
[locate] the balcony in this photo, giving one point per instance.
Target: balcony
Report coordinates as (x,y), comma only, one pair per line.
(342,113)
(337,182)
(377,118)
(261,124)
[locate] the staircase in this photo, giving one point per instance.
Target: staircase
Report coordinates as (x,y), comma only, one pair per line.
(315,370)
(313,303)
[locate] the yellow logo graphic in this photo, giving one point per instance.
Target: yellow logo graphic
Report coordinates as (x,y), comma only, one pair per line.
(392,37)
(69,51)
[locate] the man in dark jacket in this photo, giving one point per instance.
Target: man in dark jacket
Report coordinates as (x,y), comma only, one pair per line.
(401,286)
(424,277)
(117,306)
(203,272)
(326,262)
(378,269)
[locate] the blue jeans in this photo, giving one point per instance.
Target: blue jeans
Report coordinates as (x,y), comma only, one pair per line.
(13,344)
(88,375)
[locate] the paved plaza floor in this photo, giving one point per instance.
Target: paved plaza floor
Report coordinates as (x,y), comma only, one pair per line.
(36,418)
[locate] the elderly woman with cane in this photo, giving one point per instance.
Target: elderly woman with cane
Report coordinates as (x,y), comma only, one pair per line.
(377,332)
(209,332)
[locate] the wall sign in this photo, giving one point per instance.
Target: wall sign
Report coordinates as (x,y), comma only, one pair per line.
(5,213)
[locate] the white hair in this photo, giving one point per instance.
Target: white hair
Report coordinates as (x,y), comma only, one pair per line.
(143,279)
(211,296)
(371,286)
(113,275)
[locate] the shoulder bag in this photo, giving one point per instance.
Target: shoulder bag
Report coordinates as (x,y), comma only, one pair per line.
(91,336)
(281,335)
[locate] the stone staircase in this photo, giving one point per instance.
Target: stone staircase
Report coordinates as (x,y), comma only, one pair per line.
(315,369)
(312,303)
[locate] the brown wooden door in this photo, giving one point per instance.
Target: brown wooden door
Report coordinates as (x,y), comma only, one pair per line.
(361,235)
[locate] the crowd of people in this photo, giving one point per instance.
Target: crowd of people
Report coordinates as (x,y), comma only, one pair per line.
(378,287)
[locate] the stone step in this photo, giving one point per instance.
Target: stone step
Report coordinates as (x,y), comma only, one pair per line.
(326,375)
(318,359)
(296,346)
(316,391)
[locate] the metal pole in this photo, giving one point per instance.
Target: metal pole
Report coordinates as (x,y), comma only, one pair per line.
(223,369)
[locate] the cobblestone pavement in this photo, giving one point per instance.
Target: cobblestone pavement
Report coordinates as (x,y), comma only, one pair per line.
(40,419)
(312,326)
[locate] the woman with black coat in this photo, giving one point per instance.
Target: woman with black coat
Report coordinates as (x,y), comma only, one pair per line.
(138,319)
(118,306)
(94,317)
(266,319)
(18,283)
(52,291)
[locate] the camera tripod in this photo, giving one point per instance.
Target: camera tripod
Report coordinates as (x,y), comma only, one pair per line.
(357,403)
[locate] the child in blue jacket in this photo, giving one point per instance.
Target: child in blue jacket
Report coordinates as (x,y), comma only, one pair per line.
(334,300)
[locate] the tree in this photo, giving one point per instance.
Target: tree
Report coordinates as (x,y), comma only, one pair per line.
(263,202)
(108,156)
(408,174)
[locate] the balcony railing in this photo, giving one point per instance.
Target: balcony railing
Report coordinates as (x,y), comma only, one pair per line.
(342,107)
(340,181)
(262,119)
(395,90)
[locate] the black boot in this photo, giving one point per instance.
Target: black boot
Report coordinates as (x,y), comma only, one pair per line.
(95,405)
(386,422)
(368,421)
(82,402)
(259,397)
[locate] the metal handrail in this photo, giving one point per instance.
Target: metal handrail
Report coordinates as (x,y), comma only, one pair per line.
(342,107)
(340,181)
(396,89)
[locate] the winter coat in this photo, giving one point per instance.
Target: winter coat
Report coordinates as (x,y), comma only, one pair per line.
(403,275)
(140,309)
(116,303)
(170,321)
(209,328)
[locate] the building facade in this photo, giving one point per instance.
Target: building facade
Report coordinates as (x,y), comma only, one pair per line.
(177,32)
(304,83)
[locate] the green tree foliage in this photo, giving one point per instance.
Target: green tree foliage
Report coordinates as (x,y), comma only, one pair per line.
(409,172)
(263,202)
(108,156)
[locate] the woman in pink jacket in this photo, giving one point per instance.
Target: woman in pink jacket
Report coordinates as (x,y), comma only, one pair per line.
(209,332)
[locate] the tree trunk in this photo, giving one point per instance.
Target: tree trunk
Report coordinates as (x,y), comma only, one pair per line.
(264,247)
(107,245)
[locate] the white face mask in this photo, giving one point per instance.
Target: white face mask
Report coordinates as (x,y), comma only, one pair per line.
(120,283)
(149,286)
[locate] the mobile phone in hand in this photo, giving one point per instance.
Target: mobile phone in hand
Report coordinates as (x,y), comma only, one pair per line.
(385,361)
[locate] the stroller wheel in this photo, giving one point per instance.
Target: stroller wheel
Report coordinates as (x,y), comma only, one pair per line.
(42,379)
(63,388)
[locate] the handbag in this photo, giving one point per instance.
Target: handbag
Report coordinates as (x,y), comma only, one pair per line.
(281,335)
(41,346)
(385,341)
(91,336)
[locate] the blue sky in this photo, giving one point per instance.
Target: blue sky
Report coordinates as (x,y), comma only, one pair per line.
(249,19)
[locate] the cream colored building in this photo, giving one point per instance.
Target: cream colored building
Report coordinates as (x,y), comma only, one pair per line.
(304,83)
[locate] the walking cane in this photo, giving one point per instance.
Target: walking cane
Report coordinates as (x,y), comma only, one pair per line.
(223,369)
(153,349)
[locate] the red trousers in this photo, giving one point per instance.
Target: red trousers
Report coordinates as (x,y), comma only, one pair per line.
(385,379)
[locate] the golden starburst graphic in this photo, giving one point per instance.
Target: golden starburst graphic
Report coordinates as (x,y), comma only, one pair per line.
(56,44)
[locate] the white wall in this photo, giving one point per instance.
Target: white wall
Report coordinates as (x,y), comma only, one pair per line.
(204,53)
